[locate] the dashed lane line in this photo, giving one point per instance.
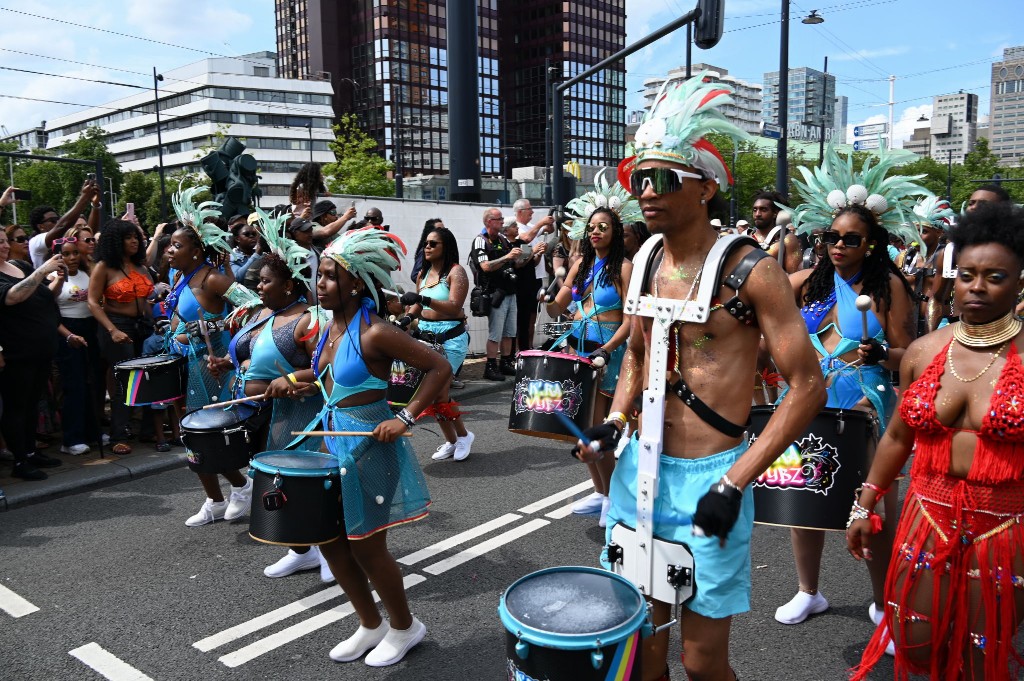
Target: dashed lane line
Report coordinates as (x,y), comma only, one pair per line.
(106,664)
(13,604)
(560,512)
(461,538)
(556,497)
(485,546)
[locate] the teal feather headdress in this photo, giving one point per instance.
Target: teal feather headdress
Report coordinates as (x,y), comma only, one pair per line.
(273,231)
(836,185)
(934,211)
(613,197)
(195,217)
(674,129)
(369,254)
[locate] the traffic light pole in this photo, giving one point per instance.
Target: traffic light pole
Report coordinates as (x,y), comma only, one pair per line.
(558,91)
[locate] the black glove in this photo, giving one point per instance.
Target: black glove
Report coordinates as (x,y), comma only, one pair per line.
(605,433)
(718,510)
(410,298)
(404,321)
(877,353)
(599,353)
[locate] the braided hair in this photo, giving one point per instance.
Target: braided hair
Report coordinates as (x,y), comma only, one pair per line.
(612,270)
(876,268)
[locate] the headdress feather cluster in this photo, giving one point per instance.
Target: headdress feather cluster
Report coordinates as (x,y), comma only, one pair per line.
(674,128)
(835,185)
(195,216)
(369,254)
(613,197)
(272,229)
(934,211)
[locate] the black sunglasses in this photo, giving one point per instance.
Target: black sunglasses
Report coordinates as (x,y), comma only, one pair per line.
(851,240)
(431,244)
(20,239)
(661,180)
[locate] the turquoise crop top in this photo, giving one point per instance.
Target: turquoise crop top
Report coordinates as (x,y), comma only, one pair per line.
(438,291)
(604,294)
(348,370)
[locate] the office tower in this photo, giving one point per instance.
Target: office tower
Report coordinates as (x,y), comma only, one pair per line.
(1006,116)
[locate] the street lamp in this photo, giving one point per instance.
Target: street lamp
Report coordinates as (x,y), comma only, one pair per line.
(782,169)
(159,146)
(508,169)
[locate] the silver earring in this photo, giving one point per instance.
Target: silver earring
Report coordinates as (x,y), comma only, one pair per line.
(195,257)
(703,201)
(355,293)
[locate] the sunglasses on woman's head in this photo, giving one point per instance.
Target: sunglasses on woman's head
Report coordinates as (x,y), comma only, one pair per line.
(66,240)
(851,240)
(660,180)
(599,226)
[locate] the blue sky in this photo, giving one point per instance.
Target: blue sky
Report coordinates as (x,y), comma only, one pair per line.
(932,46)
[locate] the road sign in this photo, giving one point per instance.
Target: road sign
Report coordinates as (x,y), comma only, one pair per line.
(868,130)
(771,131)
(864,145)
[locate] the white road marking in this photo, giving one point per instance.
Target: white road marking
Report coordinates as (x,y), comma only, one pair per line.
(245,628)
(560,513)
(106,665)
(13,604)
(278,639)
(485,546)
(451,542)
(555,498)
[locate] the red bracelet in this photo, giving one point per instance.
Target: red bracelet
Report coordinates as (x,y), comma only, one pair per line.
(879,492)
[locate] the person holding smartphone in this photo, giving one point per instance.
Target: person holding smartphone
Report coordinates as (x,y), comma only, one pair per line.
(40,245)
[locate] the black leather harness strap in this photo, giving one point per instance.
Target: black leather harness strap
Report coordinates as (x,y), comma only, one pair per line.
(735,280)
(703,411)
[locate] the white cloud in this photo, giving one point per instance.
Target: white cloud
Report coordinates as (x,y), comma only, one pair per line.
(872,54)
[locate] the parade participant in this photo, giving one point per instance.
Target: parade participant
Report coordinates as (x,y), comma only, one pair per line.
(932,217)
(953,597)
(429,226)
(770,234)
(855,361)
(353,360)
(701,442)
(634,235)
(596,285)
(442,288)
(198,303)
(119,286)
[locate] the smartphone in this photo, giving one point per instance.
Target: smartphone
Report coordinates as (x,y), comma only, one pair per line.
(130,210)
(22,195)
(352,205)
(91,176)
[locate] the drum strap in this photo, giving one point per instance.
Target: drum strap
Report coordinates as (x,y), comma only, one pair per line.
(442,337)
(703,411)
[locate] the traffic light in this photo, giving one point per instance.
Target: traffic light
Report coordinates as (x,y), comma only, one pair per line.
(708,30)
(233,178)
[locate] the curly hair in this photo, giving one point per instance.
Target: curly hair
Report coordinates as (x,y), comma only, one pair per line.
(612,270)
(1001,223)
(309,175)
(280,269)
(876,267)
(110,249)
(450,252)
(35,217)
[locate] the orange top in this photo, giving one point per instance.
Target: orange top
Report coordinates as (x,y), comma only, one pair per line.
(128,289)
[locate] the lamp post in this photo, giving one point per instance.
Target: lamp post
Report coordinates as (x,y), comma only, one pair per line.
(824,95)
(949,178)
(782,168)
(508,169)
(159,146)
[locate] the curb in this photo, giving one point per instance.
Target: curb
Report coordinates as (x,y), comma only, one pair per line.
(111,471)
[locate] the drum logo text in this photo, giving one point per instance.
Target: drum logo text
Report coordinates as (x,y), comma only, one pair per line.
(546,397)
(517,675)
(810,464)
(403,374)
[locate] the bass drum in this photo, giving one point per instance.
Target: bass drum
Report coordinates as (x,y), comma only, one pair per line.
(811,485)
(573,624)
(550,385)
(219,440)
(152,379)
(405,380)
(296,498)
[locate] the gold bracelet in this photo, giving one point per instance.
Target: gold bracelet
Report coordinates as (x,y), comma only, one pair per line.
(618,417)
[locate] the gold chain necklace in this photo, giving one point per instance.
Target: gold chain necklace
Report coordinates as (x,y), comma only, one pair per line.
(987,335)
(330,342)
(952,369)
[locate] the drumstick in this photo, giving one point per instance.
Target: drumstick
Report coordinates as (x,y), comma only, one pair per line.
(240,400)
(389,292)
(576,430)
(286,375)
(339,433)
(863,304)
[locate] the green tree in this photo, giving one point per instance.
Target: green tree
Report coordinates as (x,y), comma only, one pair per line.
(359,169)
(143,190)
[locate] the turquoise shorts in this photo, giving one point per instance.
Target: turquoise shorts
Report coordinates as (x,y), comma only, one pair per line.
(455,348)
(721,574)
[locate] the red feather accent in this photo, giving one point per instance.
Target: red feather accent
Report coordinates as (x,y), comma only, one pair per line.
(443,411)
(708,146)
(771,378)
(625,168)
(314,331)
(876,523)
(711,95)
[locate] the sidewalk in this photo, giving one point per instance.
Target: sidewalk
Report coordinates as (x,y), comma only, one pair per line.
(89,471)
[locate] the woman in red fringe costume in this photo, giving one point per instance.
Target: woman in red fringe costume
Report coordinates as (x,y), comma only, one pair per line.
(955,586)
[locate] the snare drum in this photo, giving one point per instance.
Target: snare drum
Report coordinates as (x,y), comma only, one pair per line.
(549,382)
(812,484)
(573,624)
(152,379)
(220,440)
(296,498)
(405,379)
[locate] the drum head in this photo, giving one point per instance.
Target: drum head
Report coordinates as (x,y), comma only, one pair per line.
(149,361)
(575,602)
(295,462)
(215,419)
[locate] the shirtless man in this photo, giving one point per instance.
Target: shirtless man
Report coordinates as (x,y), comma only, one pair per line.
(703,471)
(765,215)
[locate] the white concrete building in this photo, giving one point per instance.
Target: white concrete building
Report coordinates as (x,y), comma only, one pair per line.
(283,122)
(954,126)
(1006,110)
(744,113)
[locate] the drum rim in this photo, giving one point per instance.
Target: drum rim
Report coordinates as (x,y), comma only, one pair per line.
(294,472)
(555,355)
(169,361)
(587,641)
(226,429)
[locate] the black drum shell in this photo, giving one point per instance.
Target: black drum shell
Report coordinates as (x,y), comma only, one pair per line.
(164,380)
(779,502)
(555,664)
(225,448)
(535,366)
(405,380)
(311,515)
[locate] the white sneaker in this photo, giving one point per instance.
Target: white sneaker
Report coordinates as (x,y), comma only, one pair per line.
(396,644)
(605,505)
(326,576)
(211,511)
(74,450)
(358,643)
(293,562)
(589,504)
(462,445)
(241,499)
(800,607)
(443,452)
(877,617)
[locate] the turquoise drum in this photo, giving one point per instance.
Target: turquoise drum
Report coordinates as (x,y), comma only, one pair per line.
(296,498)
(573,624)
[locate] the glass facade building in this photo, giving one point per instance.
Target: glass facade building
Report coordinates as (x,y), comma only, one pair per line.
(806,105)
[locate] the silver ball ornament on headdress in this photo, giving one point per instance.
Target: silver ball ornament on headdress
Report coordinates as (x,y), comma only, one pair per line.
(857,194)
(836,199)
(877,204)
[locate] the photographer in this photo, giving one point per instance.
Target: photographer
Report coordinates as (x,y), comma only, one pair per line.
(494,257)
